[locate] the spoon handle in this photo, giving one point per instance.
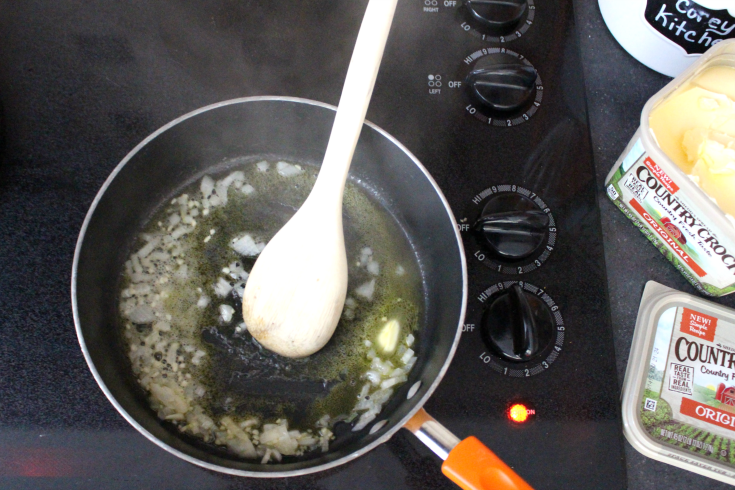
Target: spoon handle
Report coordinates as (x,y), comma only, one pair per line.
(356,94)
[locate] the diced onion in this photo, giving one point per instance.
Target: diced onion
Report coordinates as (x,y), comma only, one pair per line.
(196,359)
(246,245)
(207,186)
(226,312)
(365,255)
(407,356)
(366,290)
(222,288)
(288,170)
(242,444)
(383,367)
(148,248)
(365,419)
(174,219)
(373,268)
(142,314)
(390,382)
(373,376)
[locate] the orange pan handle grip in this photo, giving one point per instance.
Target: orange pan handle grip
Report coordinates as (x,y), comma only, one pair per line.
(473,466)
(469,463)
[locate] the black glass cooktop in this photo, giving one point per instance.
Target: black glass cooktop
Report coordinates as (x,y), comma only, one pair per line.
(488,95)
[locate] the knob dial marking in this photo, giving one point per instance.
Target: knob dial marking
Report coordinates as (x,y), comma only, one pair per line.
(522,329)
(503,87)
(513,227)
(497,21)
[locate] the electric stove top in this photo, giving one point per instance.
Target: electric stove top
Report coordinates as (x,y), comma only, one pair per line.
(488,95)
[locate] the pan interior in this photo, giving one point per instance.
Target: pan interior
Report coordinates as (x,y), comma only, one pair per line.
(275,130)
(239,377)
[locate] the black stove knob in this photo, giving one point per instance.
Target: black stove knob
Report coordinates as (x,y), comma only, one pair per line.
(517,325)
(511,227)
(501,83)
(497,17)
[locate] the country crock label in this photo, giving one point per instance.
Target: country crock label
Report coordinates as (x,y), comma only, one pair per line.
(669,213)
(707,414)
(689,397)
(688,24)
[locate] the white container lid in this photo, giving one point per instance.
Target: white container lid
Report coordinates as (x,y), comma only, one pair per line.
(676,409)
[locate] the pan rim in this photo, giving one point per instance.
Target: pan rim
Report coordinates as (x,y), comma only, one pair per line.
(223,469)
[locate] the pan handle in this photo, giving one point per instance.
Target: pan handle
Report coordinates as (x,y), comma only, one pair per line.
(469,463)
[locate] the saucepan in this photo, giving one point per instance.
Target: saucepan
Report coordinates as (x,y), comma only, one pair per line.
(294,130)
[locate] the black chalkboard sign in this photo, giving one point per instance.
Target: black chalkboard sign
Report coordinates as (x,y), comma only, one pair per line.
(688,24)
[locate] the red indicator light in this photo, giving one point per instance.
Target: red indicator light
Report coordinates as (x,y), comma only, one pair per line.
(519,413)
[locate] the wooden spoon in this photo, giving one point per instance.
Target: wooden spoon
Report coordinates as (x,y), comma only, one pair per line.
(296,291)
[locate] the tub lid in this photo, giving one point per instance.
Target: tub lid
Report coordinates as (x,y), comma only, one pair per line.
(679,389)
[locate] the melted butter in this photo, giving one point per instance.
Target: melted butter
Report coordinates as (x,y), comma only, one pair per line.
(237,373)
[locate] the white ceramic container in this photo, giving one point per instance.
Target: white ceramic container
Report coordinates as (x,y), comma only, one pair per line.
(669,35)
